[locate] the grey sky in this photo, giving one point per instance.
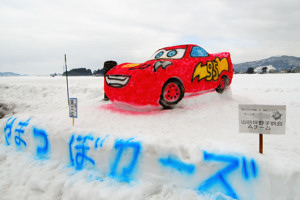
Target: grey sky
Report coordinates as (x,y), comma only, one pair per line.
(35,34)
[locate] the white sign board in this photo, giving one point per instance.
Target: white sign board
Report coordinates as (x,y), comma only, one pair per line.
(73,108)
(263,119)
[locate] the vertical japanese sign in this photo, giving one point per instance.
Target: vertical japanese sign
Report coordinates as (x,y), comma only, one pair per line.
(73,108)
(262,119)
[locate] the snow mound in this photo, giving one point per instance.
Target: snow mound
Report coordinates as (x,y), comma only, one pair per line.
(191,152)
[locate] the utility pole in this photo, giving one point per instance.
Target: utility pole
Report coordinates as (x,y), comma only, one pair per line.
(67,80)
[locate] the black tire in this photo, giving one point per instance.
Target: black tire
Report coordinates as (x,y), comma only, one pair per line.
(108,65)
(224,82)
(171,93)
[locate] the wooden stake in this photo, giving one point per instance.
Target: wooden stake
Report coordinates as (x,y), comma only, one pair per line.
(261,143)
(73,122)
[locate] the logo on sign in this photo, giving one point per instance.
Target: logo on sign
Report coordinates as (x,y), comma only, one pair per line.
(277,115)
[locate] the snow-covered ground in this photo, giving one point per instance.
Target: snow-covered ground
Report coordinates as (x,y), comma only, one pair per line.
(194,151)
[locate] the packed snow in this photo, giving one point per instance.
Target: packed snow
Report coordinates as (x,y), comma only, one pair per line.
(194,151)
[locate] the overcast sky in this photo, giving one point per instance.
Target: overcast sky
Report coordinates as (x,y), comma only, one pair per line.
(35,34)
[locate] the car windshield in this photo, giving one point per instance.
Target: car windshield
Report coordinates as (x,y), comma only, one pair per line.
(198,52)
(168,54)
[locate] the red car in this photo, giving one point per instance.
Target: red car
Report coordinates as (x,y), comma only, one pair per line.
(168,75)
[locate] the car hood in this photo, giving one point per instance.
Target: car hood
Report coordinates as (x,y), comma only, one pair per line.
(148,66)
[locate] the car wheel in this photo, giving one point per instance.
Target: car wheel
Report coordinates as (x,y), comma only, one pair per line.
(224,81)
(172,92)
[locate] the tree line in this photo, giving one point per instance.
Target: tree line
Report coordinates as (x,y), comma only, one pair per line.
(83,72)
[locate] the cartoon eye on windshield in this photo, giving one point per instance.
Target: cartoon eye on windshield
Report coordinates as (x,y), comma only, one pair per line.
(159,54)
(171,54)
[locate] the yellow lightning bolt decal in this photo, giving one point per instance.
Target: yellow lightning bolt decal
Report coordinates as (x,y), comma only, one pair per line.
(201,72)
(212,69)
(222,65)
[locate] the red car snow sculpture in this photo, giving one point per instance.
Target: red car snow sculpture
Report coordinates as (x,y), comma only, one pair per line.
(168,75)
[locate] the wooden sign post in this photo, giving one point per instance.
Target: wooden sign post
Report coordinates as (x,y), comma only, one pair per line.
(261,146)
(262,119)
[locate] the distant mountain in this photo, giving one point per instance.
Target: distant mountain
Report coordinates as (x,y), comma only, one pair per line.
(278,62)
(9,74)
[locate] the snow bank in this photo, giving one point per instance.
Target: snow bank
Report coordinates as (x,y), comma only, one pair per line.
(191,152)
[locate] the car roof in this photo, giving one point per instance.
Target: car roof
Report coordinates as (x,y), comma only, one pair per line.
(178,46)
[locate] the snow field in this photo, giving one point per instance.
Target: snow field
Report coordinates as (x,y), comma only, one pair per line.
(200,127)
